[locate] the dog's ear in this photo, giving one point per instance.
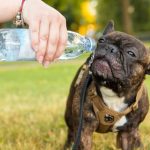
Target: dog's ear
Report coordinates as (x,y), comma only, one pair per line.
(109,27)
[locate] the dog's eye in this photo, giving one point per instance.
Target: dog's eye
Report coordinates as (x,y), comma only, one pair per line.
(131,54)
(101,40)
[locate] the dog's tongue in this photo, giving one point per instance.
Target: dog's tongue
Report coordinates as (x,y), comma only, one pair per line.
(102,68)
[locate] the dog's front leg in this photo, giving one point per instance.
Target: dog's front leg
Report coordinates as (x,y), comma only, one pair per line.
(86,139)
(129,140)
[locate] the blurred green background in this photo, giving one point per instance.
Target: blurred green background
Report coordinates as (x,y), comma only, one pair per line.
(132,16)
(89,17)
(32,99)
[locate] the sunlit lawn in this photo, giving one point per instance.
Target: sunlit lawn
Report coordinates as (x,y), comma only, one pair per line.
(32,104)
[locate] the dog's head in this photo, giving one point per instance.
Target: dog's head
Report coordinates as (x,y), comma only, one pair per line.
(120,61)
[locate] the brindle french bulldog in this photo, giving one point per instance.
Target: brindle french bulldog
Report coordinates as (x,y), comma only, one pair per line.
(116,98)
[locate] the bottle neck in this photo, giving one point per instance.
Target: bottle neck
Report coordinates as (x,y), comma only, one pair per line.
(90,44)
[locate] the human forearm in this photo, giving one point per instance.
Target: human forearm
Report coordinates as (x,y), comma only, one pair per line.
(8,9)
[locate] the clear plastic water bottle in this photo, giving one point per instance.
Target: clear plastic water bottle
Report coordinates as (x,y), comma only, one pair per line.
(15,45)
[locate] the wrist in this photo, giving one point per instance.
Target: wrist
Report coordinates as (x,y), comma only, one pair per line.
(16,6)
(19,21)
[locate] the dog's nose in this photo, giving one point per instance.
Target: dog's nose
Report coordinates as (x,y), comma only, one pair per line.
(111,48)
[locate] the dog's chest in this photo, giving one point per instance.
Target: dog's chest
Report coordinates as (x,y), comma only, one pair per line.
(116,103)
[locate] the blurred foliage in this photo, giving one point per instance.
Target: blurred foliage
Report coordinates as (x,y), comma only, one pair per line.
(107,10)
(71,9)
(141,15)
(138,9)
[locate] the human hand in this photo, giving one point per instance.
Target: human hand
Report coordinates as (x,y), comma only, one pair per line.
(47,29)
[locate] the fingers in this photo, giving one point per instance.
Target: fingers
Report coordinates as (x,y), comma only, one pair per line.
(62,40)
(48,38)
(43,38)
(52,43)
(34,33)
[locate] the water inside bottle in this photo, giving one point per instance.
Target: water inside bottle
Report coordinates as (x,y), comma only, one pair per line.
(15,44)
(8,47)
(72,52)
(75,46)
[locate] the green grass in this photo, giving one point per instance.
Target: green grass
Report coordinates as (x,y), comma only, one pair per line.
(32,104)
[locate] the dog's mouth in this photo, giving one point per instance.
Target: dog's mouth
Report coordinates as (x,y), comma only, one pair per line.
(101,68)
(107,68)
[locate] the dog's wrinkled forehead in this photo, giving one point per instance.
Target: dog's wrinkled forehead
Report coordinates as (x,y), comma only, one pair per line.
(122,40)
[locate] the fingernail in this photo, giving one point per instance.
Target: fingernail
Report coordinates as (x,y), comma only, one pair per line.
(46,64)
(40,59)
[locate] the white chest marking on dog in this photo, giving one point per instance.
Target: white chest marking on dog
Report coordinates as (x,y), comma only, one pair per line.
(119,123)
(114,102)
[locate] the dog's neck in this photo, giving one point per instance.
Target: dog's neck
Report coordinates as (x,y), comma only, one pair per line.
(112,100)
